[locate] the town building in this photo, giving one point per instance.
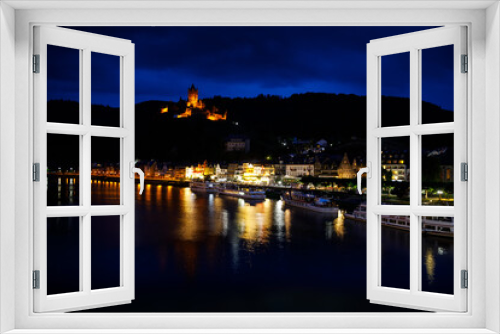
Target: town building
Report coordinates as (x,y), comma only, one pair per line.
(299,170)
(396,164)
(179,173)
(346,170)
(237,144)
(220,173)
(446,173)
(325,169)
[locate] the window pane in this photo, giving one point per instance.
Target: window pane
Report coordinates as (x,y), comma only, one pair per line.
(63,161)
(395,162)
(63,255)
(105,89)
(437,170)
(437,254)
(63,85)
(105,171)
(437,84)
(395,89)
(105,252)
(395,234)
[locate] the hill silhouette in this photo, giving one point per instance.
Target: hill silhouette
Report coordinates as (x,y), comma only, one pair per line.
(266,120)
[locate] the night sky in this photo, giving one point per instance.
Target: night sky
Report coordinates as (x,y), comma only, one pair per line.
(248,61)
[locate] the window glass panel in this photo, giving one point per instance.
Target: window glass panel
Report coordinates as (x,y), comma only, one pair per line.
(63,179)
(437,254)
(437,84)
(105,89)
(63,85)
(395,89)
(437,170)
(395,241)
(105,252)
(63,255)
(105,171)
(395,163)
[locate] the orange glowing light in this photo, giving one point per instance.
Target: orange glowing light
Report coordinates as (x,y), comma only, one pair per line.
(164,110)
(186,114)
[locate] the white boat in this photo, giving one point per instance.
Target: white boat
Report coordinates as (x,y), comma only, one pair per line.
(310,202)
(241,192)
(203,187)
(441,226)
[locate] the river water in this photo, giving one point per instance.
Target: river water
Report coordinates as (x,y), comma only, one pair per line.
(209,253)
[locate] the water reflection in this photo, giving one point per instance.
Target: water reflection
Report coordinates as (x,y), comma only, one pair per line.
(430,264)
(437,264)
(338,225)
(62,190)
(210,253)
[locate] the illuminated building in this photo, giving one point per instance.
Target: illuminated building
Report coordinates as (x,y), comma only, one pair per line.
(253,173)
(193,101)
(193,173)
(194,106)
(299,170)
(346,170)
(237,144)
(220,173)
(395,163)
(446,173)
(179,173)
(325,169)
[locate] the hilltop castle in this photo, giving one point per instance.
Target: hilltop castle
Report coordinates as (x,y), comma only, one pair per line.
(196,107)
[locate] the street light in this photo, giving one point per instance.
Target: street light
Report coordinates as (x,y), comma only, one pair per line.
(439,192)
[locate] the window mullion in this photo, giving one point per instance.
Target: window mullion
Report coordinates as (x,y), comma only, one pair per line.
(85,175)
(415,229)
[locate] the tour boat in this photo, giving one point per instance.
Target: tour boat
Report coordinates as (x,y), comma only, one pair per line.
(241,192)
(441,226)
(310,202)
(203,187)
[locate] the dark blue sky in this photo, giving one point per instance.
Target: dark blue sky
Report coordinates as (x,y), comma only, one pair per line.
(248,61)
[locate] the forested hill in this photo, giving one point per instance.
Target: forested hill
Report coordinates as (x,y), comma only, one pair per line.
(265,120)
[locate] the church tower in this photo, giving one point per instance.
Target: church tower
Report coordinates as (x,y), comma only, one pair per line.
(192,96)
(345,170)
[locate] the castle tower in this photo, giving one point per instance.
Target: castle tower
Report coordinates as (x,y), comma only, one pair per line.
(192,96)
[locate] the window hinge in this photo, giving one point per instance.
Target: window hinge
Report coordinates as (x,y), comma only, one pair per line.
(465,279)
(464,171)
(465,64)
(36,279)
(36,63)
(36,172)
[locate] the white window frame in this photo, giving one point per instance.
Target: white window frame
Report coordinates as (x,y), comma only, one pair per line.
(414,44)
(483,21)
(85,44)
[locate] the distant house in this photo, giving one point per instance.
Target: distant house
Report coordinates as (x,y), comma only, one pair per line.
(237,144)
(325,169)
(396,163)
(299,170)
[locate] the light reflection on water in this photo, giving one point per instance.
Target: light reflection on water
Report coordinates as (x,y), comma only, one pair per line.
(210,253)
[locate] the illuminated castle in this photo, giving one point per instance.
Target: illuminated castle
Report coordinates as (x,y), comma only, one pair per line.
(197,107)
(193,101)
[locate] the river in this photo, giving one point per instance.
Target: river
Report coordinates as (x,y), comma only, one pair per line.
(207,253)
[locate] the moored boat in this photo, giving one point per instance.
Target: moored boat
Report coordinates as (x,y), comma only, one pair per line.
(203,187)
(440,226)
(310,202)
(241,192)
